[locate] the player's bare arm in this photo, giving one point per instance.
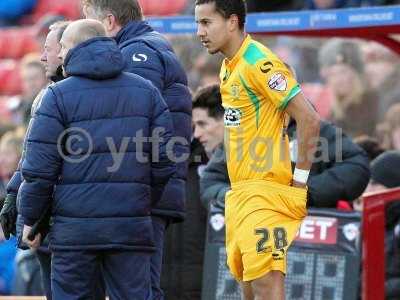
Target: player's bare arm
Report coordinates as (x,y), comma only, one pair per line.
(307,121)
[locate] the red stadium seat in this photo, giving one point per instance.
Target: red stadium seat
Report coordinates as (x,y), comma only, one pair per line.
(71,8)
(10,81)
(68,8)
(15,42)
(162,8)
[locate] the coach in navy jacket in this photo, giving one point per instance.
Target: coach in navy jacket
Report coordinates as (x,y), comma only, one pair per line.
(148,54)
(89,142)
(93,207)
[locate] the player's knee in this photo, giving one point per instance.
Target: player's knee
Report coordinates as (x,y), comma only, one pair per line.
(276,276)
(247,291)
(272,280)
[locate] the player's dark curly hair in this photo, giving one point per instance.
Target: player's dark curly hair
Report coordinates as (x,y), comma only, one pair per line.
(209,98)
(229,7)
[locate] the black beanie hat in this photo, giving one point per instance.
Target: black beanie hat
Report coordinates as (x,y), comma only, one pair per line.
(385,169)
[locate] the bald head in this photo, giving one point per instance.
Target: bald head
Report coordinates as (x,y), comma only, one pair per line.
(83,30)
(78,32)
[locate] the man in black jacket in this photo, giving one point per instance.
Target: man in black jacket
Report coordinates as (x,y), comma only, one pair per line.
(340,170)
(182,270)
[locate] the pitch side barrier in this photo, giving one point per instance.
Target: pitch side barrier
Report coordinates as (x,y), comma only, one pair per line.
(373,23)
(323,262)
(373,259)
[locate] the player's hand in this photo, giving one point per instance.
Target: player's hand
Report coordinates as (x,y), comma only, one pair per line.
(299,184)
(33,244)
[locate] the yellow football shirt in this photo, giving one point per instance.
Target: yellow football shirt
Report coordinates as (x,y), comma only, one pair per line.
(256,87)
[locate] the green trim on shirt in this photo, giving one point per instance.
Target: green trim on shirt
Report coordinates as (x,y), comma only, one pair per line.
(253,54)
(253,97)
(295,90)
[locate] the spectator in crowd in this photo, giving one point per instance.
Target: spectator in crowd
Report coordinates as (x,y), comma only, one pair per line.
(370,145)
(340,167)
(389,131)
(208,70)
(385,174)
(27,277)
(208,118)
(33,76)
(27,280)
(340,170)
(150,55)
(208,122)
(380,63)
(272,5)
(97,98)
(328,4)
(382,68)
(10,151)
(7,268)
(182,270)
(189,53)
(10,148)
(385,171)
(355,106)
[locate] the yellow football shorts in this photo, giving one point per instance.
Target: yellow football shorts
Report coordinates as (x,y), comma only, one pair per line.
(262,219)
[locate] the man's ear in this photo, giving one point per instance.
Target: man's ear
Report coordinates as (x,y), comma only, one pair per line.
(233,22)
(110,22)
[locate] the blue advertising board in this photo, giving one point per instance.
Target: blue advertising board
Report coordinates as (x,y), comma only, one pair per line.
(294,21)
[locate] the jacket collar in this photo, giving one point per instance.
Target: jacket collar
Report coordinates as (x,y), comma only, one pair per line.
(132,30)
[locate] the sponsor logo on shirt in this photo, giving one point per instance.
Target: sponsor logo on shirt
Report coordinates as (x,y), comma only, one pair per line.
(278,82)
(232,117)
(266,67)
(235,91)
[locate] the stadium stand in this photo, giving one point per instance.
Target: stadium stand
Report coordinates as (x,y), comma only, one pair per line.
(376,23)
(68,8)
(162,8)
(10,83)
(15,42)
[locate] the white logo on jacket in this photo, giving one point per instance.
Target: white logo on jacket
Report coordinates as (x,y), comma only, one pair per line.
(139,57)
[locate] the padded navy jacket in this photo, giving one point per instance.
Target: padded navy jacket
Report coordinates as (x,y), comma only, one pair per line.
(148,54)
(83,143)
